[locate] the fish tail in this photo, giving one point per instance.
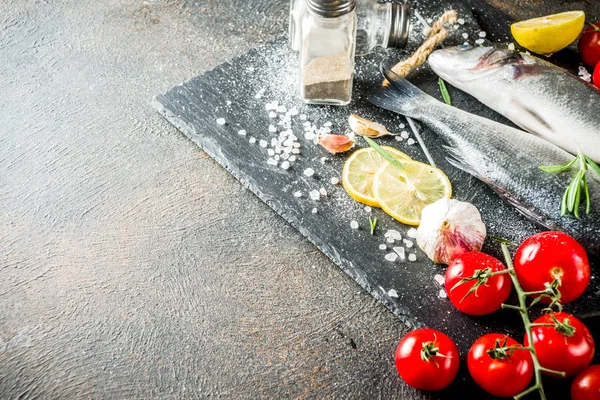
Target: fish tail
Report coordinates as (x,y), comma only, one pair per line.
(400,96)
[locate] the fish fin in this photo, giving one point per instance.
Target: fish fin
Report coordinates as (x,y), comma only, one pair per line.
(399,96)
(527,212)
(527,119)
(456,159)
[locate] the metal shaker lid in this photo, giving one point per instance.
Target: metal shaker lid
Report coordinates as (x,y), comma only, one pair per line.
(400,25)
(331,8)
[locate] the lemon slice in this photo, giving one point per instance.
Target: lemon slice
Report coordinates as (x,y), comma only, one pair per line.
(359,170)
(549,34)
(404,193)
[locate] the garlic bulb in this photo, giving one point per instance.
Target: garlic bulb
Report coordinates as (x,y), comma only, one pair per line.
(449,228)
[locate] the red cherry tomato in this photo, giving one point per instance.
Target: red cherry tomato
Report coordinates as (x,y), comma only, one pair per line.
(596,76)
(427,359)
(497,368)
(569,353)
(586,385)
(488,296)
(549,255)
(589,45)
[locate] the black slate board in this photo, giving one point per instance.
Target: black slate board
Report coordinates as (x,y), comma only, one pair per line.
(233,91)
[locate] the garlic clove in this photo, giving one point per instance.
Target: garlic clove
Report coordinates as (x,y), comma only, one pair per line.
(450,228)
(365,127)
(336,143)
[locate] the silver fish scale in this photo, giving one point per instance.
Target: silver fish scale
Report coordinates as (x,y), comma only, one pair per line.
(507,160)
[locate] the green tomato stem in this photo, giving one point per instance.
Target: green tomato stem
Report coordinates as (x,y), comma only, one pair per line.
(527,323)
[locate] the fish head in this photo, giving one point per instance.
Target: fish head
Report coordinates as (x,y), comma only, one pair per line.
(462,64)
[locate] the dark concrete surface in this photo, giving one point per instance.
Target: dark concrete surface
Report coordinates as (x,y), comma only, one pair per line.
(131,264)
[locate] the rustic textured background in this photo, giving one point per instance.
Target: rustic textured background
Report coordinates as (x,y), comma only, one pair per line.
(131,264)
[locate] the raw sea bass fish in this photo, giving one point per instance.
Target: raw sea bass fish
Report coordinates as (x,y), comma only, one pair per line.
(537,96)
(503,157)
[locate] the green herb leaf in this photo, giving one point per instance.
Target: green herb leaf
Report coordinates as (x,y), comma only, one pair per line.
(592,164)
(373,224)
(444,90)
(386,156)
(572,198)
(498,239)
(555,169)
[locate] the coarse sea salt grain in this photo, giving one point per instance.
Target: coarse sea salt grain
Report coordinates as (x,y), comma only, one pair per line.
(323,192)
(439,279)
(272,114)
(314,195)
(242,132)
(412,233)
(285,165)
(392,293)
(272,161)
(259,94)
(442,294)
(292,158)
(354,224)
(482,34)
(404,135)
(394,234)
(391,257)
(328,123)
(465,35)
(411,141)
(314,210)
(399,138)
(412,257)
(479,41)
(303,117)
(400,251)
(584,74)
(334,181)
(309,172)
(221,121)
(228,102)
(382,247)
(368,209)
(511,46)
(408,243)
(298,194)
(271,152)
(252,140)
(263,143)
(272,128)
(461,21)
(389,240)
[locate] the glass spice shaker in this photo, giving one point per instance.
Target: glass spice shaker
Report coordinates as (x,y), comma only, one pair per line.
(384,24)
(327,52)
(381,24)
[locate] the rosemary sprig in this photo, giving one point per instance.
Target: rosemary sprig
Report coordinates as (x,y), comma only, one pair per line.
(444,91)
(386,156)
(572,198)
(372,224)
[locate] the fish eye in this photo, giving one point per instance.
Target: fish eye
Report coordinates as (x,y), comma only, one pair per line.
(464,47)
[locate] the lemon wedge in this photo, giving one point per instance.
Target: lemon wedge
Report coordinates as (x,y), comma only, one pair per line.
(549,34)
(359,171)
(404,193)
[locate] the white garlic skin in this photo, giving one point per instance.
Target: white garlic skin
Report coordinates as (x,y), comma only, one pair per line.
(450,228)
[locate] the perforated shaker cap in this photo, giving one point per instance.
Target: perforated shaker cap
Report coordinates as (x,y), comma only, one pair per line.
(331,8)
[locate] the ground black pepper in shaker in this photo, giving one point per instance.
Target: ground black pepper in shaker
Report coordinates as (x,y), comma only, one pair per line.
(327,52)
